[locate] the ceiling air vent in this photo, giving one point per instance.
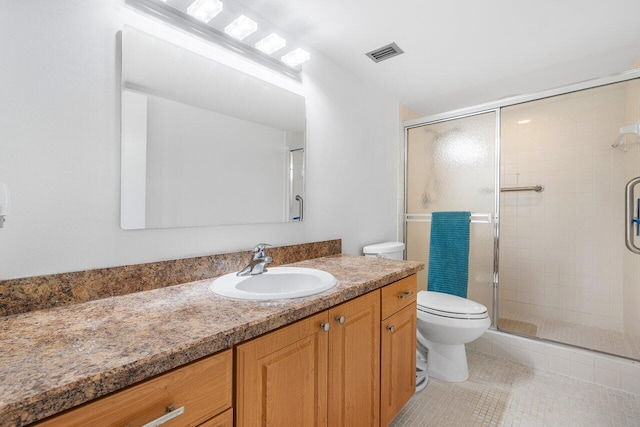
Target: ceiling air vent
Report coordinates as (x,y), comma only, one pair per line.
(385,52)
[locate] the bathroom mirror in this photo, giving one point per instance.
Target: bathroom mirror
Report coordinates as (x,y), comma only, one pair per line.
(203,143)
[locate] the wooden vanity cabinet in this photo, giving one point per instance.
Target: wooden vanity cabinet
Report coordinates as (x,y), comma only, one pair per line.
(398,348)
(352,365)
(203,388)
(354,362)
(323,370)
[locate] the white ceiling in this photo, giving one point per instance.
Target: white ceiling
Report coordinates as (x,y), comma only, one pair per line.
(460,53)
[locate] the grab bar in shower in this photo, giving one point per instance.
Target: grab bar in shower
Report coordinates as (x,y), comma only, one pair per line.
(629,220)
(481,218)
(536,188)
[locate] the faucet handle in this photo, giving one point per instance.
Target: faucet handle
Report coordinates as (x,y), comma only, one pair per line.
(259,250)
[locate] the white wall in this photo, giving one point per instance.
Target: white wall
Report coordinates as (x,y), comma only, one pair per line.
(60,148)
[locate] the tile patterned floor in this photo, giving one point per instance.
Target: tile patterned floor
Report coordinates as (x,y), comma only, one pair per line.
(504,393)
(583,336)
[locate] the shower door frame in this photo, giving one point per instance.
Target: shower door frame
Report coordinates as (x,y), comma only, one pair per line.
(496,107)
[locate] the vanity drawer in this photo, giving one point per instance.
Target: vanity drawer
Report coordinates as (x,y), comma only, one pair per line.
(399,295)
(203,388)
(223,420)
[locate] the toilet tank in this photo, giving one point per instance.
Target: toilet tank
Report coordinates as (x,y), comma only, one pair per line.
(389,250)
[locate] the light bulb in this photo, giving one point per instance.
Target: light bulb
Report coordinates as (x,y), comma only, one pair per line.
(296,57)
(205,10)
(271,43)
(241,27)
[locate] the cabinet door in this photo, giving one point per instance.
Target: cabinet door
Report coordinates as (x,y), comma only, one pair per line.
(398,360)
(354,362)
(282,376)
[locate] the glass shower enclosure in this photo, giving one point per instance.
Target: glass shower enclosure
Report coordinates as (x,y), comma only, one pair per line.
(545,178)
(450,166)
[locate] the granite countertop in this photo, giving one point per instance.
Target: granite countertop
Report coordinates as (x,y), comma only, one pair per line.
(55,359)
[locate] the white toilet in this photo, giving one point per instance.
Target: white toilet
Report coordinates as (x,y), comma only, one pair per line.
(387,250)
(445,324)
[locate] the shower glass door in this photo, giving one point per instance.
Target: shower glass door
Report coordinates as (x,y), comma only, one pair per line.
(296,184)
(565,273)
(451,167)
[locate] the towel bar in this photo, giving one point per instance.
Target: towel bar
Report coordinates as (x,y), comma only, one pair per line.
(478,218)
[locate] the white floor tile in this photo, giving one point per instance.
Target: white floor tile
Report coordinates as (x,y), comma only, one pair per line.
(504,393)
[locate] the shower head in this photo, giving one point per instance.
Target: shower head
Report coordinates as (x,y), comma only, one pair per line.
(633,129)
(439,135)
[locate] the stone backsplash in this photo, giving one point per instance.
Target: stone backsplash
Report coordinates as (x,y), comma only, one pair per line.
(56,290)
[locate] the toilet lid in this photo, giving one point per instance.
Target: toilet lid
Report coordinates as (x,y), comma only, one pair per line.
(446,305)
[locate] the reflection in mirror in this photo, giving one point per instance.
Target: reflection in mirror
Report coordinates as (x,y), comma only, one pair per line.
(203,143)
(296,167)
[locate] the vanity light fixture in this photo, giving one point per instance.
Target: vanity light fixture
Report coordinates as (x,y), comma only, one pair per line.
(204,10)
(271,43)
(524,122)
(241,27)
(296,57)
(268,44)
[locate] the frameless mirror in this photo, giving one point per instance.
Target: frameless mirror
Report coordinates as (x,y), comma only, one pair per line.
(203,143)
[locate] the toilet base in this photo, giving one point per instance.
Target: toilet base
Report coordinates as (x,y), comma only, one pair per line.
(447,362)
(421,380)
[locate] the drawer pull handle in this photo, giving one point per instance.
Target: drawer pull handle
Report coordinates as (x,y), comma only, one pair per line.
(325,326)
(171,414)
(405,295)
(341,319)
(391,328)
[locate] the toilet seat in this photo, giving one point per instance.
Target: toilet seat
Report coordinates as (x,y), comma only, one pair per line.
(451,306)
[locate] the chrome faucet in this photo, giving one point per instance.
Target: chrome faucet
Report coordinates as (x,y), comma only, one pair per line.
(258,263)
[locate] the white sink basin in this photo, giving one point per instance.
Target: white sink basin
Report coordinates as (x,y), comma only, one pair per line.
(275,283)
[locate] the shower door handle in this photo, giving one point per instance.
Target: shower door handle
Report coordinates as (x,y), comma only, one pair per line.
(301,211)
(630,220)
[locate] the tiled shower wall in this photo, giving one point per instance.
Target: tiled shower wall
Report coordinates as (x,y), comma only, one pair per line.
(631,271)
(562,250)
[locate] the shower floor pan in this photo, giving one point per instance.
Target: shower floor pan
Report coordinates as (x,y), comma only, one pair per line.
(589,337)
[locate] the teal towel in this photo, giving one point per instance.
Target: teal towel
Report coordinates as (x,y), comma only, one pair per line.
(449,253)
